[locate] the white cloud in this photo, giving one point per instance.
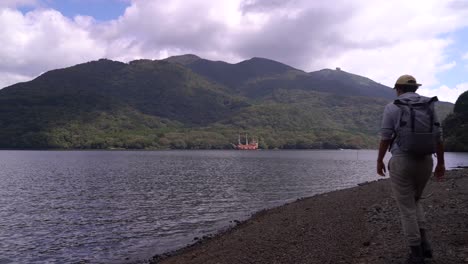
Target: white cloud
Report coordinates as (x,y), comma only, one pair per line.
(378,39)
(10,78)
(43,40)
(420,58)
(444,93)
(447,66)
(18,3)
(152,28)
(465,56)
(407,38)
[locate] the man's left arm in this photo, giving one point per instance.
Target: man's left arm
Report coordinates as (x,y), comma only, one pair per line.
(440,166)
(439,172)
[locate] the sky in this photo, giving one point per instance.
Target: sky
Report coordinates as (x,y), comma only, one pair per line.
(379,39)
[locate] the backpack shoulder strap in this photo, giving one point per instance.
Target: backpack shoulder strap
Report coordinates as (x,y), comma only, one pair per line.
(400,102)
(433,99)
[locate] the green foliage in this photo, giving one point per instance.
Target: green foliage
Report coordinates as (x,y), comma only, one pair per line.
(191,103)
(456,126)
(461,106)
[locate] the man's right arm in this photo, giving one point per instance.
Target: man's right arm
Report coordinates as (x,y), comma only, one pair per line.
(387,131)
(383,147)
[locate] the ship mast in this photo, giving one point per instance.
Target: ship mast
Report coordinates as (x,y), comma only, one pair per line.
(246,139)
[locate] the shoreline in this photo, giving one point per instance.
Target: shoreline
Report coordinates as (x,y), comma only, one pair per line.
(166,149)
(354,225)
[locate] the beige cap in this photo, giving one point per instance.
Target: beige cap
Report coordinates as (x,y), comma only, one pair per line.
(407,80)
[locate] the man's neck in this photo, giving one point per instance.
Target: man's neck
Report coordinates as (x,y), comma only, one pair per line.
(407,93)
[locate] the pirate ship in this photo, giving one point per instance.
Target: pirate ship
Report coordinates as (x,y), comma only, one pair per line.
(253,145)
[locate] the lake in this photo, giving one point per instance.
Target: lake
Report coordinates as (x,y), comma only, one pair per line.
(107,206)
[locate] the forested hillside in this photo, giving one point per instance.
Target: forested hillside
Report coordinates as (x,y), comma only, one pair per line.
(189,102)
(456,126)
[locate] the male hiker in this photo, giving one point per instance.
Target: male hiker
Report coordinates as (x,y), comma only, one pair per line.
(412,133)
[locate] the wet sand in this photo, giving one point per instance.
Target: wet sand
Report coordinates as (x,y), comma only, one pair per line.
(356,225)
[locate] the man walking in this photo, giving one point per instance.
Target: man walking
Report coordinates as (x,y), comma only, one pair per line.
(412,133)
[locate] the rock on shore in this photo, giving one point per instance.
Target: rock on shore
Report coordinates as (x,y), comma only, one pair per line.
(356,225)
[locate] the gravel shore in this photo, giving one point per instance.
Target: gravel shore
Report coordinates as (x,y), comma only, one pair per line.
(356,225)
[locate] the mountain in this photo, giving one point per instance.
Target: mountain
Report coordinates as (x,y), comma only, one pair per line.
(235,76)
(189,102)
(456,126)
(258,77)
(154,93)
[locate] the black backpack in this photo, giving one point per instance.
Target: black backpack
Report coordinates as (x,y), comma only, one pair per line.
(417,132)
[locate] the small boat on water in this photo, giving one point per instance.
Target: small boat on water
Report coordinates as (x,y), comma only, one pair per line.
(253,145)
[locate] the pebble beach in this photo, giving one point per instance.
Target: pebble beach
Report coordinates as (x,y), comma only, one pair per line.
(355,225)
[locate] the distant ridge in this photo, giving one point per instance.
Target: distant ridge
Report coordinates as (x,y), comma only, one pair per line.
(269,74)
(183,59)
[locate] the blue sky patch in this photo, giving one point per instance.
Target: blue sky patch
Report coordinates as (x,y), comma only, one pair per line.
(101,10)
(455,52)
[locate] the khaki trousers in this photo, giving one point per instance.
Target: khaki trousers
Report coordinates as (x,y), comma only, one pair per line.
(408,177)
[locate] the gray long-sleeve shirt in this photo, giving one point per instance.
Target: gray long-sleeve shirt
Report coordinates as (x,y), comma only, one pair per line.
(390,121)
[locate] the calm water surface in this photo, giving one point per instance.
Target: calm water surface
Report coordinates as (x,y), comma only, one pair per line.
(123,206)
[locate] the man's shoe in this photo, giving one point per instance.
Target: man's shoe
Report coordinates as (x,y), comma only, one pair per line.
(425,245)
(416,256)
(427,249)
(413,260)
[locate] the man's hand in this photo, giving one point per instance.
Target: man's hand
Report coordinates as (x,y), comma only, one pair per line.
(381,168)
(383,147)
(439,171)
(440,167)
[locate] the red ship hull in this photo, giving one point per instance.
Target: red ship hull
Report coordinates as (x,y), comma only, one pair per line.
(247,147)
